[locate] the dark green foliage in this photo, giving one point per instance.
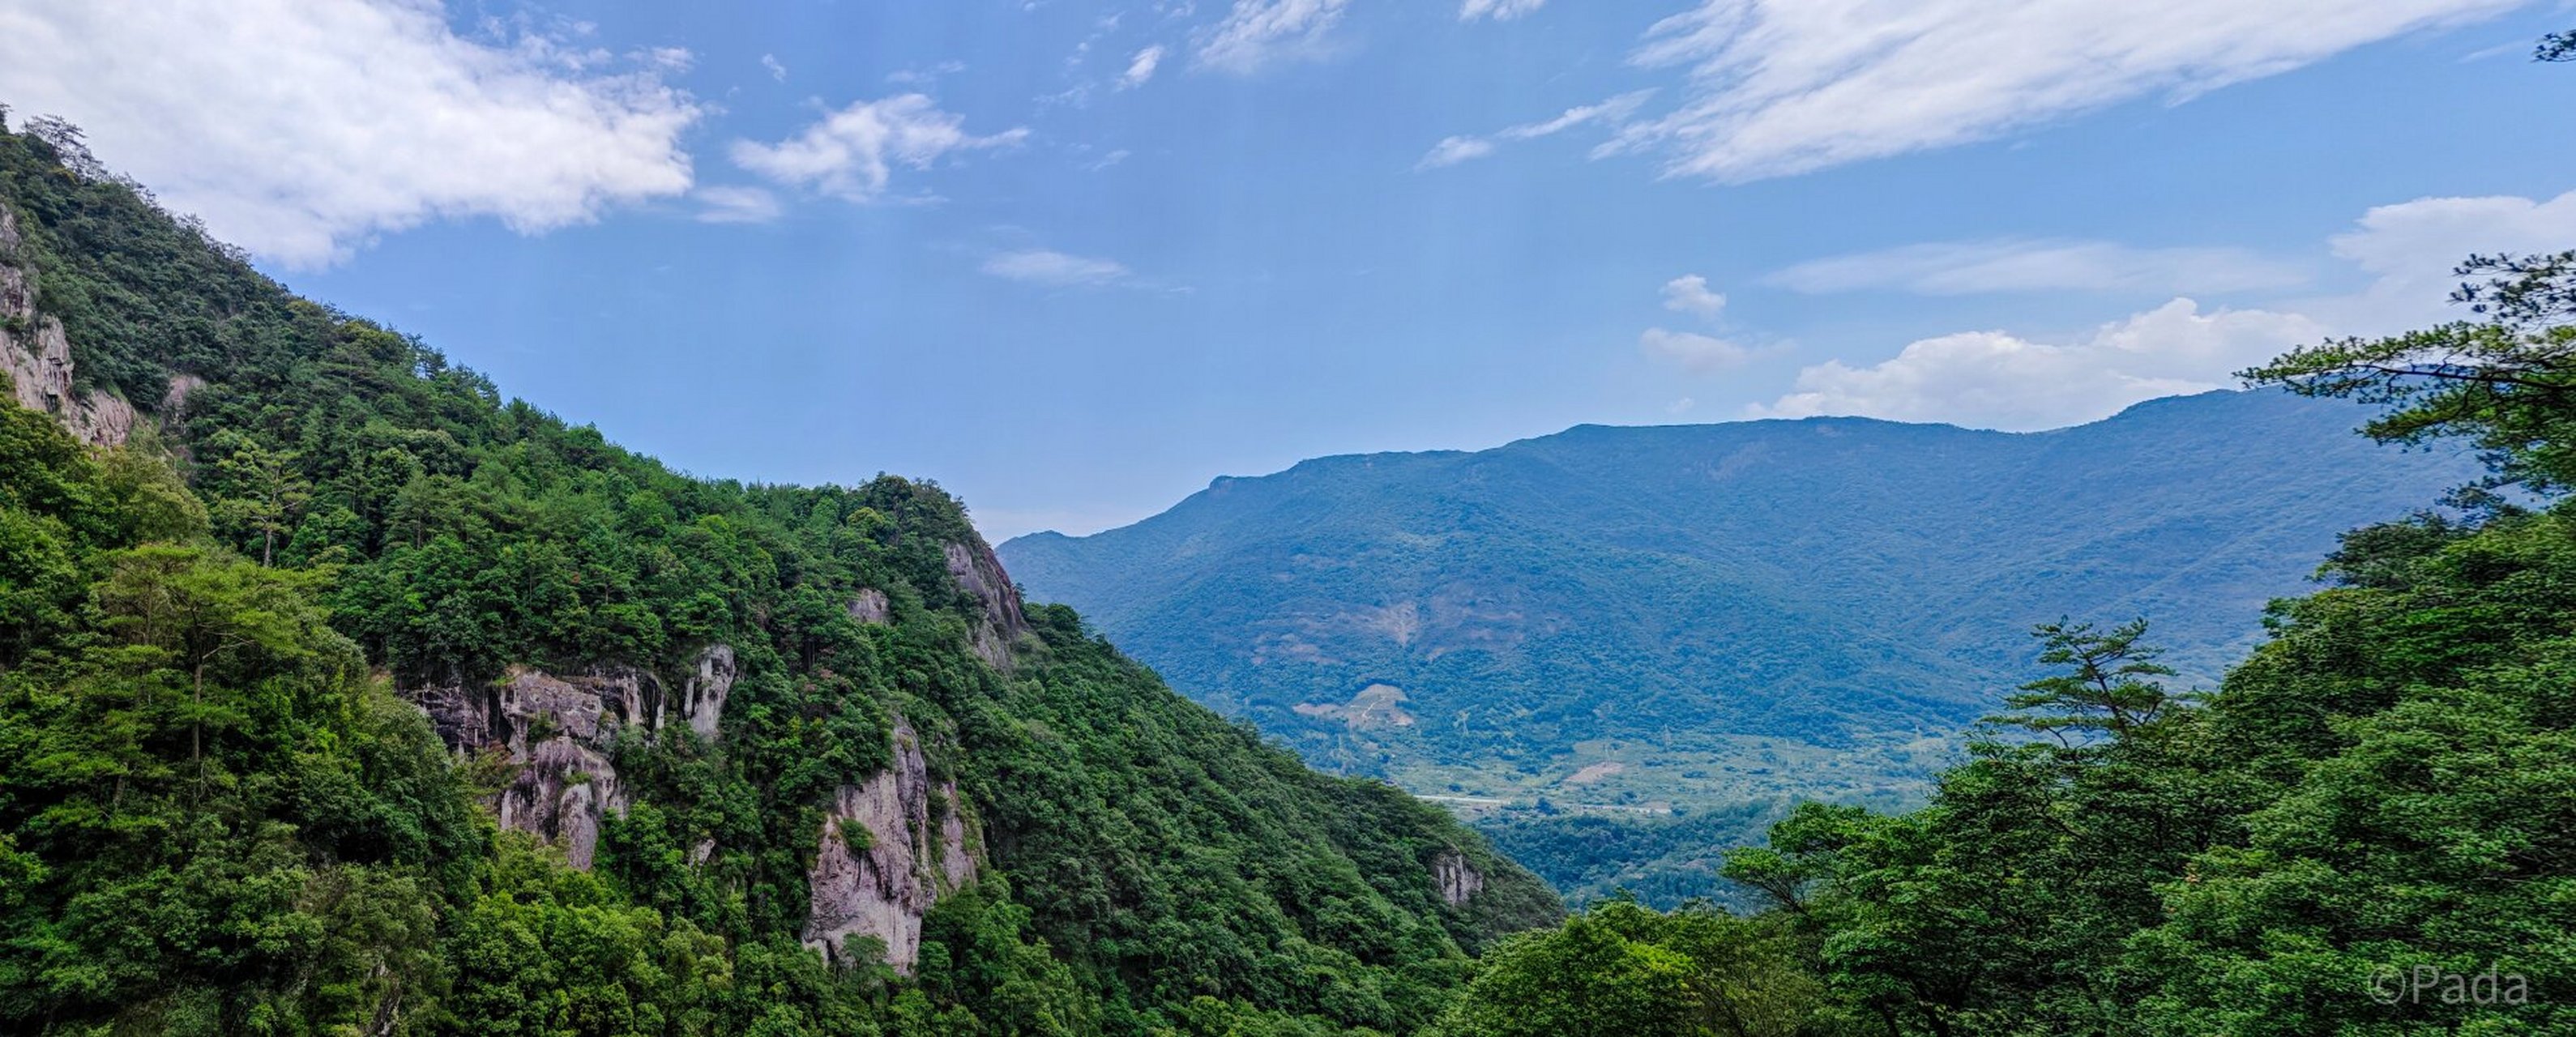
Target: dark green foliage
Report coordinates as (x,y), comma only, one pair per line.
(2368,829)
(217,817)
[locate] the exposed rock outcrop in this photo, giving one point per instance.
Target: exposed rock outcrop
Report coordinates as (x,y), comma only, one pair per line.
(872,607)
(1000,623)
(890,849)
(702,696)
(1459,881)
(38,356)
(558,729)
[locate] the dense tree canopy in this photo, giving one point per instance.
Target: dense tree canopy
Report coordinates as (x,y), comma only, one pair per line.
(219,815)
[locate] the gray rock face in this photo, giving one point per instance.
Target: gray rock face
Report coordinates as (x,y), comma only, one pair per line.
(558,729)
(1001,623)
(702,697)
(890,849)
(38,356)
(1459,881)
(871,607)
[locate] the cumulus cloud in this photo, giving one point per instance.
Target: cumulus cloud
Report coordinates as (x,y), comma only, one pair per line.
(1993,379)
(1257,33)
(852,153)
(1498,10)
(1141,67)
(777,69)
(1999,379)
(736,205)
(1972,267)
(300,128)
(1690,294)
(1691,351)
(1787,86)
(2410,248)
(1056,269)
(1454,150)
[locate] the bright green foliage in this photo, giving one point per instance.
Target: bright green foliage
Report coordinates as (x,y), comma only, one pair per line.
(2110,691)
(216,816)
(1621,970)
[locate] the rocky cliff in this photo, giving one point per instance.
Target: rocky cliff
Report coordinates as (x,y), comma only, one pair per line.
(38,356)
(557,730)
(890,849)
(999,623)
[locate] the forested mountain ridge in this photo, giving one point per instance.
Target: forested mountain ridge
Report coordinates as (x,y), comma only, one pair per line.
(756,759)
(2368,829)
(1716,614)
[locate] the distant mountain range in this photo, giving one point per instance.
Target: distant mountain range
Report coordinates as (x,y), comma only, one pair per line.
(1635,619)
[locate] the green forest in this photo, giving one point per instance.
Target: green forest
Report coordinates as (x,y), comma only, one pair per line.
(2368,828)
(223,810)
(219,815)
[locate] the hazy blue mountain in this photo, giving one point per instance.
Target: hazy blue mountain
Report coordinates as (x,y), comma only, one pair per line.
(1705,614)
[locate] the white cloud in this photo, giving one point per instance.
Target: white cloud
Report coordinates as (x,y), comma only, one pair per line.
(300,128)
(1615,111)
(1992,379)
(1693,352)
(2410,249)
(777,69)
(852,153)
(1999,379)
(1056,269)
(1691,295)
(736,205)
(1141,67)
(1681,406)
(1789,86)
(1970,267)
(1258,33)
(1498,10)
(1453,150)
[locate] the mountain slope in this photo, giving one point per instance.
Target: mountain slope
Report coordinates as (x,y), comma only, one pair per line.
(1715,613)
(339,695)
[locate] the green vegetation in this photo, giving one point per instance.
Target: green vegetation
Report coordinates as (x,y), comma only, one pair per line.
(217,815)
(1730,614)
(2368,829)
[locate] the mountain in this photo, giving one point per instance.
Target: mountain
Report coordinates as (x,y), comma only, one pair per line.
(339,694)
(1636,619)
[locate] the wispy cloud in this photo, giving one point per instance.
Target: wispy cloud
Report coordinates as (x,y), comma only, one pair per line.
(1788,86)
(1498,10)
(1141,68)
(1692,351)
(2020,265)
(852,153)
(1613,112)
(1056,269)
(1257,33)
(777,69)
(736,205)
(299,128)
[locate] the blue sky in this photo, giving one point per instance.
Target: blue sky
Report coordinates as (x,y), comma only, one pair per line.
(1074,259)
